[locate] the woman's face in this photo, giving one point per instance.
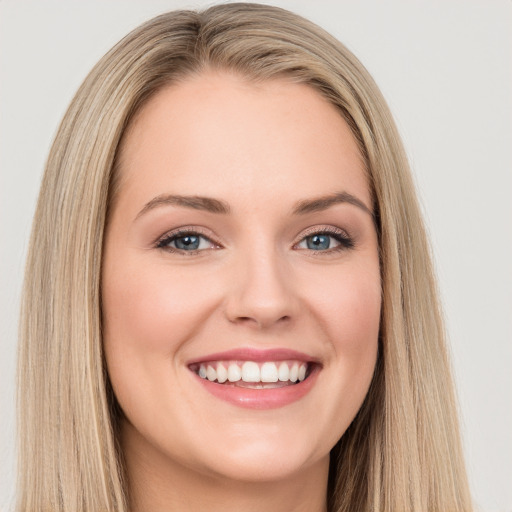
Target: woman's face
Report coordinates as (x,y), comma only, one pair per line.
(241,285)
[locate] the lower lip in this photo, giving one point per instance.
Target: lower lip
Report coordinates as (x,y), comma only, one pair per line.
(260,398)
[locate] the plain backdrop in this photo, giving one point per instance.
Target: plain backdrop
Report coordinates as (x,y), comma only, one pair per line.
(445,68)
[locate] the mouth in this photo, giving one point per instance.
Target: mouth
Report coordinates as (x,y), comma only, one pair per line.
(252,374)
(257,379)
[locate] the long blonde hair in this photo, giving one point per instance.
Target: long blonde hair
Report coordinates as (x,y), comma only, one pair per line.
(402,451)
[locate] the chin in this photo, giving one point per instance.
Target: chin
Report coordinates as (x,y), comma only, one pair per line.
(263,455)
(264,466)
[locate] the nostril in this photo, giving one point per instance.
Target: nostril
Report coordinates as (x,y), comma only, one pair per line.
(261,321)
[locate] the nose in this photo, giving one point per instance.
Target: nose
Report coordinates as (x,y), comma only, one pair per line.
(261,294)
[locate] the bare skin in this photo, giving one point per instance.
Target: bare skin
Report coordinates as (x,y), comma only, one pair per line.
(243,223)
(163,487)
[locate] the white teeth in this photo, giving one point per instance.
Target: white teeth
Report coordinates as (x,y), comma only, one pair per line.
(222,373)
(211,374)
(234,372)
(284,372)
(250,372)
(294,372)
(269,372)
(302,372)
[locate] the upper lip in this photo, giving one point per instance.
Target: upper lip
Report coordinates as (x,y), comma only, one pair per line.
(256,355)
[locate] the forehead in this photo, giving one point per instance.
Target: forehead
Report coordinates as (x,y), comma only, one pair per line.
(219,135)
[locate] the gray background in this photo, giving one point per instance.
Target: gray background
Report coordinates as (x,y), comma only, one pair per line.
(445,69)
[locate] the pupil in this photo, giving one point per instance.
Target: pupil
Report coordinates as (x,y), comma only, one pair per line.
(318,242)
(187,242)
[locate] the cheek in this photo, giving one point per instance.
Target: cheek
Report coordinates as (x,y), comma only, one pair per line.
(347,305)
(355,325)
(152,309)
(150,313)
(356,321)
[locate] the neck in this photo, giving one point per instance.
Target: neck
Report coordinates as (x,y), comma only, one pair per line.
(159,484)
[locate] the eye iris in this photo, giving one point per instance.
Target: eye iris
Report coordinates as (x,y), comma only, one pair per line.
(189,242)
(318,242)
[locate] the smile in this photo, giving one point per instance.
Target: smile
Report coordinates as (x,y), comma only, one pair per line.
(252,374)
(257,379)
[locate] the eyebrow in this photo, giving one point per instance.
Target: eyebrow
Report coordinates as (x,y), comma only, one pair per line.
(321,203)
(209,204)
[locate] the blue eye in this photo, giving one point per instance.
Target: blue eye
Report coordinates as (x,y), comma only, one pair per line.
(326,241)
(193,242)
(318,242)
(187,242)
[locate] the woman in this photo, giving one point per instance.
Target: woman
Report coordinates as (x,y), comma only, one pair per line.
(229,299)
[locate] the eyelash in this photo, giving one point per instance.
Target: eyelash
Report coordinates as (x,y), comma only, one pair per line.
(164,242)
(341,236)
